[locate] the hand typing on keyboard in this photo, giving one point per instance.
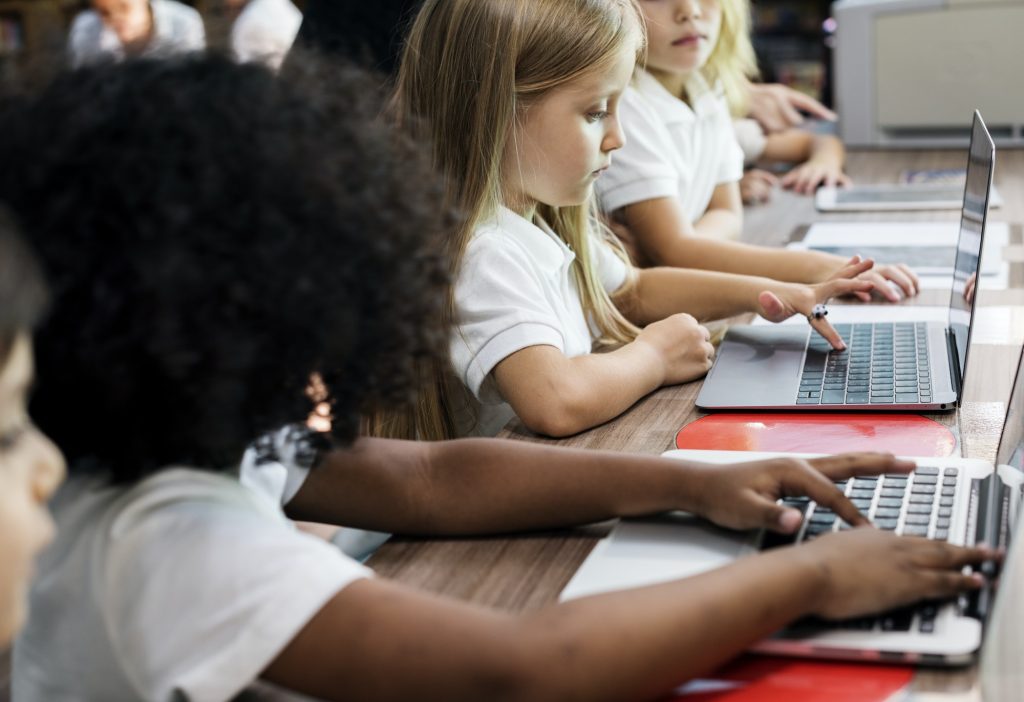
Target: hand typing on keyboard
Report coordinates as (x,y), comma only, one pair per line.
(862,571)
(746,495)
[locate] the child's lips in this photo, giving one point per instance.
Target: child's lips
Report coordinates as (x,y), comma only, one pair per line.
(688,40)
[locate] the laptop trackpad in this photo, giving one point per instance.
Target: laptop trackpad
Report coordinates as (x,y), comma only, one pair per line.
(756,366)
(676,546)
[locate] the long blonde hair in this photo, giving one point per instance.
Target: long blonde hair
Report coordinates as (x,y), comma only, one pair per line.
(469,70)
(732,60)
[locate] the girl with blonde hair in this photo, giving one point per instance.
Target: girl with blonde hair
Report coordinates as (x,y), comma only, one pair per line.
(674,186)
(520,100)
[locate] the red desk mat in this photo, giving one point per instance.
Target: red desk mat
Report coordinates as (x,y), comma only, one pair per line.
(766,679)
(819,432)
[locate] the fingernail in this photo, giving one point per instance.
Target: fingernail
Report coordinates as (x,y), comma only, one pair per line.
(789,520)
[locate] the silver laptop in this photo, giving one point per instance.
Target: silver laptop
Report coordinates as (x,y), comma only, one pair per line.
(962,501)
(886,365)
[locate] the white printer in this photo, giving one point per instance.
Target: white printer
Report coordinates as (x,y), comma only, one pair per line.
(910,73)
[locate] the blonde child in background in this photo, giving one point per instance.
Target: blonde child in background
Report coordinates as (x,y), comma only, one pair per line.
(675,184)
(31,468)
(538,284)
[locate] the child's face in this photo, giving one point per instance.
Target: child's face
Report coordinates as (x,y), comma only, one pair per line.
(31,468)
(130,19)
(564,141)
(680,33)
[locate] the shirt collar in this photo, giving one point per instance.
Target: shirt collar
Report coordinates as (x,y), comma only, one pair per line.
(545,248)
(702,97)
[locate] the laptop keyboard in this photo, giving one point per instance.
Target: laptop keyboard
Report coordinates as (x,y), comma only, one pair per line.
(883,363)
(919,504)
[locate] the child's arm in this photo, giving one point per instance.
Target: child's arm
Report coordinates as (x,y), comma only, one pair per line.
(664,234)
(724,215)
(478,486)
(557,395)
(820,158)
(381,641)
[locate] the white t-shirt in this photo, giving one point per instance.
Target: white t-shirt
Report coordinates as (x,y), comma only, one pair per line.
(265,31)
(185,585)
(514,290)
(672,149)
(177,28)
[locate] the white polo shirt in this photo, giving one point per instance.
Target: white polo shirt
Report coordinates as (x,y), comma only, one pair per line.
(672,149)
(514,290)
(177,28)
(752,139)
(183,586)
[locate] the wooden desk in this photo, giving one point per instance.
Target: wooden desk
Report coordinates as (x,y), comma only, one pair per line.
(527,572)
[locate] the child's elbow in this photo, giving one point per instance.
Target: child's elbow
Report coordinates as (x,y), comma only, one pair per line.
(564,413)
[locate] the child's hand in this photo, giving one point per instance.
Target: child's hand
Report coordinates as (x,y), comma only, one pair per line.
(906,282)
(756,186)
(783,300)
(870,570)
(806,177)
(683,346)
(743,495)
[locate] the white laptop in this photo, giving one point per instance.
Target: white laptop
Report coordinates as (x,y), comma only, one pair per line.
(963,501)
(891,366)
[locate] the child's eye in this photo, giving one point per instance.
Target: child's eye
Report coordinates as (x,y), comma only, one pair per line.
(597,116)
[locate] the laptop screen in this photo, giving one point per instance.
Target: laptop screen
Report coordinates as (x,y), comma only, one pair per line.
(1011,443)
(972,225)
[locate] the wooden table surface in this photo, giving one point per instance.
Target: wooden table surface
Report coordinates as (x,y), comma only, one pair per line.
(524,572)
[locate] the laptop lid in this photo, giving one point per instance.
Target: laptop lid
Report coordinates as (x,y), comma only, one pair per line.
(973,215)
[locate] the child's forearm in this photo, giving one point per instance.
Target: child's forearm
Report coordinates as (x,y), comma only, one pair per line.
(746,259)
(480,486)
(719,224)
(828,149)
(636,644)
(707,295)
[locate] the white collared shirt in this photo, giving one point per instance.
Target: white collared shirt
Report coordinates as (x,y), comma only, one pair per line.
(672,149)
(515,290)
(177,28)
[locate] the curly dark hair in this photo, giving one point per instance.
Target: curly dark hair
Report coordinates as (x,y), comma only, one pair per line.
(23,293)
(215,234)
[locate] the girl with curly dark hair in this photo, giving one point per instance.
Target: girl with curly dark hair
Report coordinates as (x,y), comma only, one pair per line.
(30,466)
(215,236)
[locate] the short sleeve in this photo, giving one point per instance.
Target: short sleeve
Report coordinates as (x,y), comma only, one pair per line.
(641,169)
(751,138)
(500,308)
(201,594)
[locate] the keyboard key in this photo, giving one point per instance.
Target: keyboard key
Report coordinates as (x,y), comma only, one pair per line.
(881,399)
(919,509)
(893,491)
(942,534)
(925,479)
(807,400)
(898,619)
(949,480)
(946,502)
(948,491)
(894,480)
(915,530)
(887,523)
(945,512)
(918,519)
(916,489)
(888,502)
(833,397)
(887,513)
(921,499)
(902,397)
(942,523)
(952,471)
(926,470)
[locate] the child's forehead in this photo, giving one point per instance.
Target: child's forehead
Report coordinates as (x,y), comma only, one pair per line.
(607,79)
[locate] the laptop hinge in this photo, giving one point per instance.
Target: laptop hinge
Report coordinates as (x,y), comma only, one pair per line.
(954,364)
